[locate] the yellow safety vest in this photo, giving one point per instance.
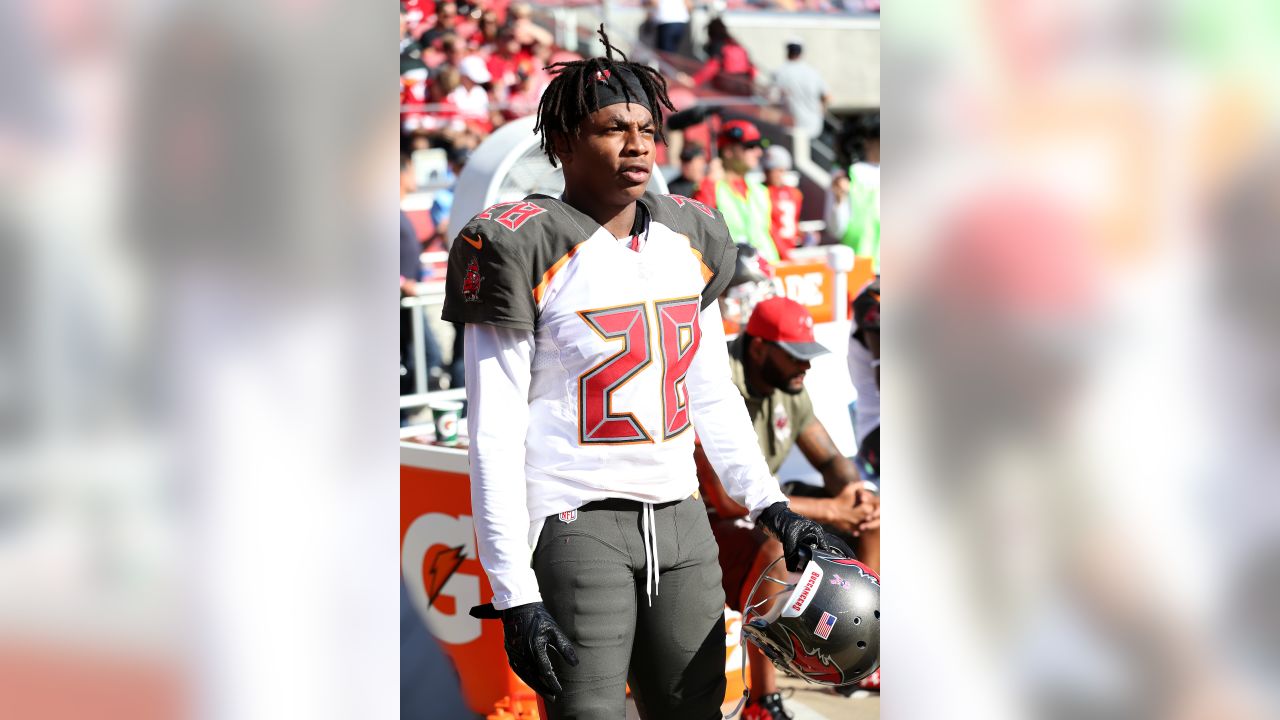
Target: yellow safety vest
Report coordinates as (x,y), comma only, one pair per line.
(749,219)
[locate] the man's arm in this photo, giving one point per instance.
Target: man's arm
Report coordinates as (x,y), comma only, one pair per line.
(712,489)
(722,423)
(838,472)
(851,507)
(498,361)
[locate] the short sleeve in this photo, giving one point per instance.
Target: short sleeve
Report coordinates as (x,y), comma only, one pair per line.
(721,259)
(488,282)
(708,237)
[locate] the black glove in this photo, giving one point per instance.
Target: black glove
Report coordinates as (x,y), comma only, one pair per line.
(797,534)
(529,631)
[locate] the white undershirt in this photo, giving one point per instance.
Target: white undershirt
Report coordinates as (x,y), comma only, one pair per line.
(498,362)
(863,375)
(837,214)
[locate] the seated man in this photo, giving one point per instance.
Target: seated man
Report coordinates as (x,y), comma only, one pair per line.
(768,364)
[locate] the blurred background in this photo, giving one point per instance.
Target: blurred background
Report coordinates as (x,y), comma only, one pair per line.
(196,478)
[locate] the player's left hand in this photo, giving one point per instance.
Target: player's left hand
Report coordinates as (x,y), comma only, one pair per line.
(797,534)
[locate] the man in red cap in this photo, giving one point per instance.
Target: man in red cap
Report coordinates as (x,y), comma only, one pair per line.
(745,204)
(768,364)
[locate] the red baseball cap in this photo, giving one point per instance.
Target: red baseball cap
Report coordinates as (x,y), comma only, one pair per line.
(788,324)
(738,131)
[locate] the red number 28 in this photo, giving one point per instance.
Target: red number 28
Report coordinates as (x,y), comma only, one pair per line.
(678,338)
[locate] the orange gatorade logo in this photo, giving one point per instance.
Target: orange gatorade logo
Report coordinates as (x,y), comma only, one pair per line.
(444,562)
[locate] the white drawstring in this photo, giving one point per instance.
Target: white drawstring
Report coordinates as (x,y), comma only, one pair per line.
(650,552)
(653,537)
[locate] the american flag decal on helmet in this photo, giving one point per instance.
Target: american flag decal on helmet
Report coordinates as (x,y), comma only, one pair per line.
(825,623)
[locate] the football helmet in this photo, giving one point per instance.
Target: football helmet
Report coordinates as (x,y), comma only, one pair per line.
(823,627)
(753,281)
(750,267)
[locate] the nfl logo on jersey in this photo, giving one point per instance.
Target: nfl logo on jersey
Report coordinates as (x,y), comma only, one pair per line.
(825,623)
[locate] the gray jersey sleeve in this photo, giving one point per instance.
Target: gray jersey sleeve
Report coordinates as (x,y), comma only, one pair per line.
(705,228)
(501,256)
(489,280)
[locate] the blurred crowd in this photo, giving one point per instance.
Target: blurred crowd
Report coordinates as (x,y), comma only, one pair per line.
(467,67)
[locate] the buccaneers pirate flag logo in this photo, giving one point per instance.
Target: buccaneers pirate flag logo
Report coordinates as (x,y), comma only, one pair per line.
(471,282)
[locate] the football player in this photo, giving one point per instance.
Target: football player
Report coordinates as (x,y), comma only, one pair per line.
(594,352)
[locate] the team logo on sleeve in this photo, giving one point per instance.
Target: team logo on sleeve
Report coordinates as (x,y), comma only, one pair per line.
(471,282)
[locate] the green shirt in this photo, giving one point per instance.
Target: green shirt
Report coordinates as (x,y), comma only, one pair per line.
(863,232)
(749,219)
(778,417)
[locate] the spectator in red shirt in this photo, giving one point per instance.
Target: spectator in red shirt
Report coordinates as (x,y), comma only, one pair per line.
(413,92)
(445,113)
(729,68)
(446,23)
(541,53)
(743,202)
(487,32)
(522,99)
(454,50)
(507,62)
(527,31)
(416,13)
(784,199)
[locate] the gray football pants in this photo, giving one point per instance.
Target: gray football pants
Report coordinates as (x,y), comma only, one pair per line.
(592,576)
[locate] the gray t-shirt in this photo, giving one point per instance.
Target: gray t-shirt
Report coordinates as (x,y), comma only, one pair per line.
(802,89)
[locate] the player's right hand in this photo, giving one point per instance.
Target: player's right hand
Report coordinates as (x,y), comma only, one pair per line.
(530,630)
(798,534)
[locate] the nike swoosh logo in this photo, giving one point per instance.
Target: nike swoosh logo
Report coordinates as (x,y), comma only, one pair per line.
(474,242)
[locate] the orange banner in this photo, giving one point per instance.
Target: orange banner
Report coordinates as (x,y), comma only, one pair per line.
(444,577)
(440,566)
(811,284)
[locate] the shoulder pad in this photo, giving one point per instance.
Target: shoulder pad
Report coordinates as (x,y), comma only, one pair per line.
(499,257)
(708,236)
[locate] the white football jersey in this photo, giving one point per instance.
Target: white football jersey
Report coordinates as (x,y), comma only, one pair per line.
(615,331)
(607,338)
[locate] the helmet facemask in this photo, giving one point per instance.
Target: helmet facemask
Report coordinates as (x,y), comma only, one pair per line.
(823,625)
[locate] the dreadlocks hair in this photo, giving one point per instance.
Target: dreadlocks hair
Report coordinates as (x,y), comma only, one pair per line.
(565,103)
